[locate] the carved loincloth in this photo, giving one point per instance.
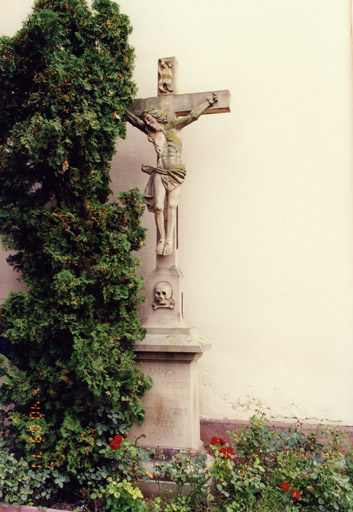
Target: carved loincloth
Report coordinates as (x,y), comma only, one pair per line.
(171,178)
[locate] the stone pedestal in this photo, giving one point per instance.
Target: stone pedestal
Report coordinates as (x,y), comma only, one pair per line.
(169,355)
(172,420)
(169,318)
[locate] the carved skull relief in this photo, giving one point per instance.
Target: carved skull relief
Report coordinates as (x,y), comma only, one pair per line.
(163,295)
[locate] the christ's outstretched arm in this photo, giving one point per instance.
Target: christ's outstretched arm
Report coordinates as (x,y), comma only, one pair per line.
(195,113)
(135,121)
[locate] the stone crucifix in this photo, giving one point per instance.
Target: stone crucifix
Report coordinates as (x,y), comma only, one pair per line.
(161,119)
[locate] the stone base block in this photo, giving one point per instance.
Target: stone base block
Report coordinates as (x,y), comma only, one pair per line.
(158,486)
(172,419)
(163,489)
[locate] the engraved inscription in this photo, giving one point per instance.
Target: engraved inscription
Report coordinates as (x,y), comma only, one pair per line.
(161,423)
(159,371)
(170,385)
(167,406)
(167,411)
(168,399)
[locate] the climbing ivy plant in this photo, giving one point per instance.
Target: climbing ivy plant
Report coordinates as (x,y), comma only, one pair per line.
(70,383)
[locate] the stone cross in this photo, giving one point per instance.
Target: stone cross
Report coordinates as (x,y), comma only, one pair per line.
(161,118)
(170,351)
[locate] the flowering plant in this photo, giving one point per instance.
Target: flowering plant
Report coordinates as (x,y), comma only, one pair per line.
(285,486)
(296,494)
(264,469)
(226,451)
(217,441)
(115,443)
(223,451)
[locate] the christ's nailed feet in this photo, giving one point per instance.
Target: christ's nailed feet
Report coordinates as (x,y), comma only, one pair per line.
(160,247)
(168,248)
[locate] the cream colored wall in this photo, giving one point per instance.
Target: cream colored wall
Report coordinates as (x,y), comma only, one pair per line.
(12,13)
(266,210)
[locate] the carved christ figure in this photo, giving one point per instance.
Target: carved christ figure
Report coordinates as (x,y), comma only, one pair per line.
(165,179)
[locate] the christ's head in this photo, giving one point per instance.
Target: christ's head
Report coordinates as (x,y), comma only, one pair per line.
(154,118)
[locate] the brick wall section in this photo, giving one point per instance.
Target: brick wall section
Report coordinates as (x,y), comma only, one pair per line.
(219,428)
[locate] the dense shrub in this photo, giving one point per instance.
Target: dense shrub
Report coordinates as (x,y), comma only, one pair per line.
(71,383)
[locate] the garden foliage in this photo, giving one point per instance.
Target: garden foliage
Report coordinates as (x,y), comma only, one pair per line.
(71,383)
(264,469)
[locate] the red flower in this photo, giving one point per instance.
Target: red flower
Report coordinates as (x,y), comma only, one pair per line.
(285,486)
(296,494)
(227,452)
(116,442)
(217,441)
